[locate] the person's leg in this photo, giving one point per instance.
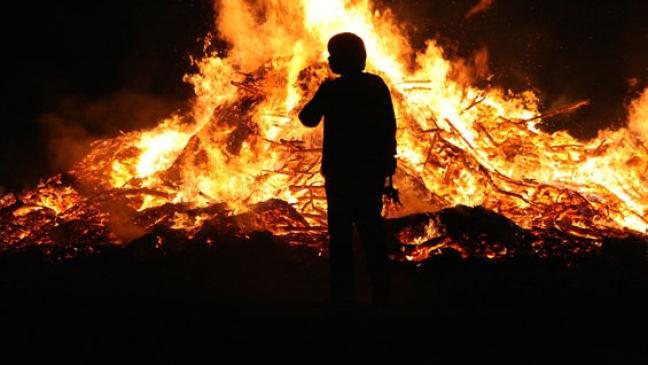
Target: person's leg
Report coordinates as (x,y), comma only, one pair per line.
(367,215)
(342,284)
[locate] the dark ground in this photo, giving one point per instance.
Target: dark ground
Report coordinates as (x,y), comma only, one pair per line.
(260,300)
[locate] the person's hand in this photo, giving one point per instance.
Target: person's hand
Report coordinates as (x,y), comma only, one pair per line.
(324,92)
(325,88)
(392,193)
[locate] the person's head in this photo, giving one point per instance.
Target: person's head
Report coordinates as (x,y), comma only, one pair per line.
(347,53)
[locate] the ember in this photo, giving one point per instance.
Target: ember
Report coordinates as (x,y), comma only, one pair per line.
(240,159)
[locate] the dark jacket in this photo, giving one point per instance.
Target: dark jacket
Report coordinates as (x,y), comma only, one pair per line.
(359,126)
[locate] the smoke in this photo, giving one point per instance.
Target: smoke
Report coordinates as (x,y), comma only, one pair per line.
(638,116)
(75,121)
(473,70)
(480,7)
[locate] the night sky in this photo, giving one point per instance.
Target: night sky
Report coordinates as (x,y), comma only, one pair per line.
(82,70)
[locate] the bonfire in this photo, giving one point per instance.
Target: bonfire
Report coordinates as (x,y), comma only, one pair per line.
(239,160)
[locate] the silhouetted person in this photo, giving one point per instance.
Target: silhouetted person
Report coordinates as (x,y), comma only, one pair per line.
(359,150)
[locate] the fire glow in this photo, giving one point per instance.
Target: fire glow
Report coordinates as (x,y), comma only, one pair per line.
(240,154)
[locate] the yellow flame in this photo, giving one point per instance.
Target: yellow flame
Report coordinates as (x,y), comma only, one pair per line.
(638,118)
(242,143)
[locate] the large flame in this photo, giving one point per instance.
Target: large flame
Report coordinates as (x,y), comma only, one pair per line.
(242,143)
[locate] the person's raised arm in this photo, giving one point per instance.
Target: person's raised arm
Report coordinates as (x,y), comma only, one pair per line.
(312,113)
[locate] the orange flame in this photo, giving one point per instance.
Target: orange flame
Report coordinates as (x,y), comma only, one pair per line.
(515,169)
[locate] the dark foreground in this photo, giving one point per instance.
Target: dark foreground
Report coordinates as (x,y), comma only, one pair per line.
(259,301)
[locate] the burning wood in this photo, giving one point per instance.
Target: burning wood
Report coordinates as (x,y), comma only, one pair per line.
(240,161)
